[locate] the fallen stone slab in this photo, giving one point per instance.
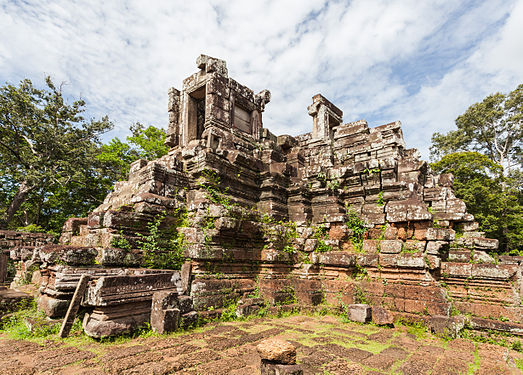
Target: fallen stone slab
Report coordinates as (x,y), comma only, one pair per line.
(106,321)
(114,290)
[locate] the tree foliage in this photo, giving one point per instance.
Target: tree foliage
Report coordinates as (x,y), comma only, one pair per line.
(52,162)
(47,150)
(144,143)
(493,127)
(485,155)
(480,183)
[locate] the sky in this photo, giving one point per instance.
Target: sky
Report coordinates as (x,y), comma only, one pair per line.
(420,62)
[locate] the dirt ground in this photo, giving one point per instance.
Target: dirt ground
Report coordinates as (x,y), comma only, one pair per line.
(325,345)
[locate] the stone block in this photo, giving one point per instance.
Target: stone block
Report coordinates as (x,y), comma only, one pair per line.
(359,312)
(414,245)
(164,321)
(437,247)
(461,270)
(370,246)
(433,261)
(310,245)
(186,277)
(440,234)
(72,255)
(249,306)
(470,226)
(189,319)
(11,300)
(367,260)
(479,256)
(412,262)
(337,258)
(165,315)
(390,246)
(164,299)
(53,307)
(391,232)
(381,316)
(277,351)
(114,290)
(270,368)
(185,304)
(485,243)
(448,326)
(493,271)
(111,256)
(462,256)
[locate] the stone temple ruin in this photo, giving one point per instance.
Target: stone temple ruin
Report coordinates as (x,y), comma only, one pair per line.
(262,217)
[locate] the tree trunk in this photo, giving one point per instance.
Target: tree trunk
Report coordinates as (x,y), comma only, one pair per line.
(19,198)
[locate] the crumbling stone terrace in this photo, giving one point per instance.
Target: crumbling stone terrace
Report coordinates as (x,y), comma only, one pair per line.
(343,215)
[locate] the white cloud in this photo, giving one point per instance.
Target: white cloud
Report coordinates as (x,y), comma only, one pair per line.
(122,56)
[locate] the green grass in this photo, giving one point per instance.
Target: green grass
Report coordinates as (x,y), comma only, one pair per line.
(519,363)
(16,325)
(474,366)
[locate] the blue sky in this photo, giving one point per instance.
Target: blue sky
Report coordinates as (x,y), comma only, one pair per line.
(420,62)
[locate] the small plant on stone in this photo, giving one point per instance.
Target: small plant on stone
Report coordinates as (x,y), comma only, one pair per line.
(163,250)
(333,185)
(360,296)
(31,228)
(357,226)
(290,296)
(322,177)
(321,235)
(120,242)
(229,313)
(282,235)
(380,202)
(215,193)
(371,171)
(361,272)
(516,345)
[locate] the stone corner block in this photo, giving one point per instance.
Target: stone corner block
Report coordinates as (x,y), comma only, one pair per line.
(359,312)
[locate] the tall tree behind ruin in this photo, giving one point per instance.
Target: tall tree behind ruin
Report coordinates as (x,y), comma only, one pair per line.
(493,127)
(485,155)
(46,147)
(144,143)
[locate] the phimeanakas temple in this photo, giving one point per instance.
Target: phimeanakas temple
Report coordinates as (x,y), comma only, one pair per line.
(344,216)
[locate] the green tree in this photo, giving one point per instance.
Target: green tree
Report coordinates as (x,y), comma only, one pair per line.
(143,143)
(493,127)
(485,155)
(479,182)
(47,152)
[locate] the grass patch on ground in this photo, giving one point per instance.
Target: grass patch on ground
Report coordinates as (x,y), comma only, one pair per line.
(474,366)
(519,363)
(368,345)
(29,323)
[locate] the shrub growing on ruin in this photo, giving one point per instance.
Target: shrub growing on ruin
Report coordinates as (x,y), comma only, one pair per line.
(163,250)
(358,227)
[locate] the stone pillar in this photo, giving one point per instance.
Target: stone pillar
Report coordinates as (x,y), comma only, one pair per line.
(278,357)
(165,314)
(173,132)
(325,116)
